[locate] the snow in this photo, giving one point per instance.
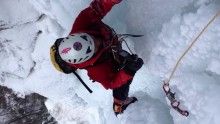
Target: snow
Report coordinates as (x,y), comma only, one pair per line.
(29,28)
(214,67)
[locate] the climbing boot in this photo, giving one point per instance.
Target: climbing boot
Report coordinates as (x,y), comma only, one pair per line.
(119,106)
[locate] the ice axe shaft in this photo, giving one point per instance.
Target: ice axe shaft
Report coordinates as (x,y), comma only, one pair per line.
(83,83)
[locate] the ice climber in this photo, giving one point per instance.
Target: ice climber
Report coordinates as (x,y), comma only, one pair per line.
(95,47)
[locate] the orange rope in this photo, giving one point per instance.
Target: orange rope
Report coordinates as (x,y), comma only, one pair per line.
(193,42)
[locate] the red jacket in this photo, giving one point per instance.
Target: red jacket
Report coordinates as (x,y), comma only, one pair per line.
(99,69)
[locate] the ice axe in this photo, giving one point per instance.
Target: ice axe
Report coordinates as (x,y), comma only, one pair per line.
(83,83)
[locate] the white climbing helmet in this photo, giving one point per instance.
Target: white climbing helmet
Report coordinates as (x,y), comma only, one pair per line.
(77,48)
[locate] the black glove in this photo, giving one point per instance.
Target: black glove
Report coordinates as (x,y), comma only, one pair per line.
(133,64)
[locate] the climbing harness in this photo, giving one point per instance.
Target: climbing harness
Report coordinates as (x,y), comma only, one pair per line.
(170,95)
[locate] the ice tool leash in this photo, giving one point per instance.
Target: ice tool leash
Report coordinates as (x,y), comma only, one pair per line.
(166,86)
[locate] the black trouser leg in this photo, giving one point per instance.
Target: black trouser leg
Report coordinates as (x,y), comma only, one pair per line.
(121,93)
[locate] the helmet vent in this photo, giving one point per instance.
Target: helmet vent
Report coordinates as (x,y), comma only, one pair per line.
(90,42)
(69,60)
(86,57)
(84,37)
(80,59)
(88,50)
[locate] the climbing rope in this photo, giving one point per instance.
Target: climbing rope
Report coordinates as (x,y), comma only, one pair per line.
(170,95)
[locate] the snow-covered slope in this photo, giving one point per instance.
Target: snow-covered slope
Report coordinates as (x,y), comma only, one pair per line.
(29,28)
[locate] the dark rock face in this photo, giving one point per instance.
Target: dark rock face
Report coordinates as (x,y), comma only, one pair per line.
(30,110)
